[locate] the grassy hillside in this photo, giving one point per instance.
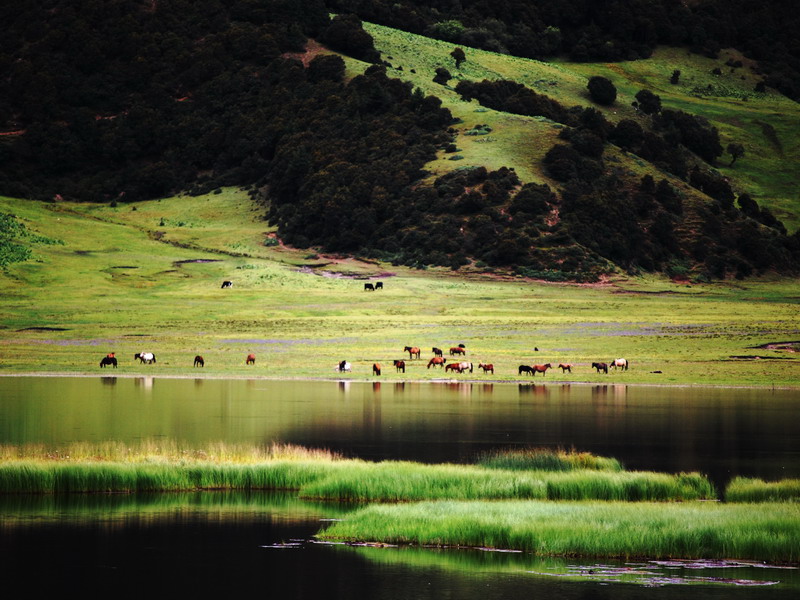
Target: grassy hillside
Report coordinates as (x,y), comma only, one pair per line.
(147,276)
(766,124)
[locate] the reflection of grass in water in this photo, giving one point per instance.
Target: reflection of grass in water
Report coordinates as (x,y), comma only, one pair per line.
(687,530)
(743,489)
(479,563)
(23,510)
(545,459)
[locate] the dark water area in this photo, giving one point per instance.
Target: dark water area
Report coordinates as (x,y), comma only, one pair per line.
(213,543)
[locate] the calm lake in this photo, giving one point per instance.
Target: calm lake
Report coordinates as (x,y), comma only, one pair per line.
(224,543)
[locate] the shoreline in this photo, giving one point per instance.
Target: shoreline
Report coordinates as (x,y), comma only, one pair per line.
(42,374)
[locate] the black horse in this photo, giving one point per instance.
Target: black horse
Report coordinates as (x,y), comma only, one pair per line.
(526,369)
(600,366)
(108,360)
(199,362)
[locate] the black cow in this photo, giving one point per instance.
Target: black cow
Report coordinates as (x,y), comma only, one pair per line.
(379,285)
(227,284)
(369,286)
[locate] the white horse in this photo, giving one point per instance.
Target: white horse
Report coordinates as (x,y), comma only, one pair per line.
(145,357)
(622,363)
(344,367)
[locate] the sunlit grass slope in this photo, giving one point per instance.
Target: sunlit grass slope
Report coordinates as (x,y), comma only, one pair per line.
(766,124)
(124,282)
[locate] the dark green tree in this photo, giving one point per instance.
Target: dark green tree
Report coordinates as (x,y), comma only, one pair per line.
(602,90)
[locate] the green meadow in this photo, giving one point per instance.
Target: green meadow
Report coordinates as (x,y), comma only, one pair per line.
(147,277)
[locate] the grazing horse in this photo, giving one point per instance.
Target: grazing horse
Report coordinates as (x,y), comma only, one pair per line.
(600,367)
(344,367)
(369,286)
(379,285)
(457,350)
(565,367)
(376,369)
(251,359)
(622,363)
(412,351)
(145,357)
(436,351)
(108,360)
(400,365)
(199,362)
(464,366)
(541,369)
(525,369)
(436,360)
(227,284)
(486,367)
(453,367)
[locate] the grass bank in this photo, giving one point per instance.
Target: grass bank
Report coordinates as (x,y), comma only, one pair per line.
(745,489)
(112,467)
(691,530)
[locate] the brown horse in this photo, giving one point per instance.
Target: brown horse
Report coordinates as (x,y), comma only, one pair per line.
(251,359)
(376,369)
(436,360)
(412,351)
(600,367)
(457,350)
(453,367)
(199,362)
(565,367)
(486,367)
(541,369)
(400,365)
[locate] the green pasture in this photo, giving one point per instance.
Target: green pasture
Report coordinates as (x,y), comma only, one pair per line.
(147,277)
(766,124)
(687,530)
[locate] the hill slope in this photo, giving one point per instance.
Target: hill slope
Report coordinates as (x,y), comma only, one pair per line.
(356,161)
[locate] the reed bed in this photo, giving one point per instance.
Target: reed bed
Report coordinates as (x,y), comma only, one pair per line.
(40,477)
(743,489)
(402,481)
(115,467)
(164,450)
(610,529)
(545,459)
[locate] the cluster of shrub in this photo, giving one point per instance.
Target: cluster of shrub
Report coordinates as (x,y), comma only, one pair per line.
(125,100)
(604,31)
(642,224)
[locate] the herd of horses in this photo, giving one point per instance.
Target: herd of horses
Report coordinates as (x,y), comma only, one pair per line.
(462,366)
(438,360)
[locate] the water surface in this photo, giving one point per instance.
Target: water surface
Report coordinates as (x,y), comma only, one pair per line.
(261,544)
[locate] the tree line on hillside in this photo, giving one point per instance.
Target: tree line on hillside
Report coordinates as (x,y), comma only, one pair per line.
(612,30)
(123,100)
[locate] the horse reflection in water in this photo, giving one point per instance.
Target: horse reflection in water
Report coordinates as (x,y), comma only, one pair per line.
(146,383)
(531,389)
